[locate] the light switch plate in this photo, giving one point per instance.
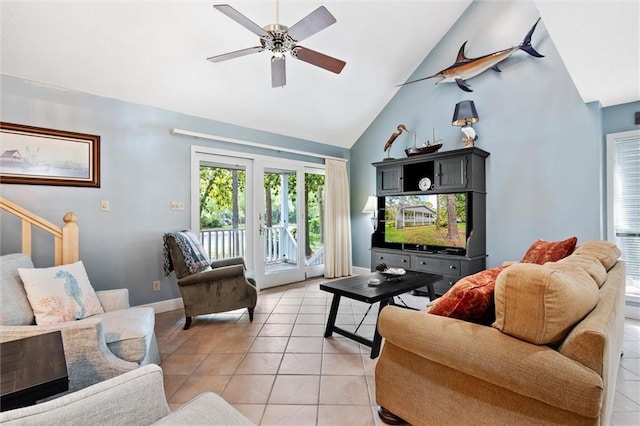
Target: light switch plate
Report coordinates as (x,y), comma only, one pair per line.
(104,205)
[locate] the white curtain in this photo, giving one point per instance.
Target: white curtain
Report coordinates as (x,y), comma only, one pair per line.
(337,238)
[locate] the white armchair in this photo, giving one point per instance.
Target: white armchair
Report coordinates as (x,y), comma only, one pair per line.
(97,347)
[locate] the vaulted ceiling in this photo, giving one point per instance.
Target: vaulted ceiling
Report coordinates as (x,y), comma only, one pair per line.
(154,53)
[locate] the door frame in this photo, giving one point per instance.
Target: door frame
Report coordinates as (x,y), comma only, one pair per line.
(252,162)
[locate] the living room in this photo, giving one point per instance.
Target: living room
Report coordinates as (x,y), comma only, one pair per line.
(545,172)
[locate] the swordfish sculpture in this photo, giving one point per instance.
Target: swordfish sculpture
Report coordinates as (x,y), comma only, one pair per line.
(465,68)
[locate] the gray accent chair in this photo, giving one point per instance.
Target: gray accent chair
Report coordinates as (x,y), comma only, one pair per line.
(225,287)
(97,347)
(133,398)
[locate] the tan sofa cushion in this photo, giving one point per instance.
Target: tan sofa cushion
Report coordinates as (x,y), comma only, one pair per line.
(607,253)
(589,264)
(540,304)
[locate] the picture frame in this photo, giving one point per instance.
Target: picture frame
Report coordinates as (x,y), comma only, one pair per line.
(39,156)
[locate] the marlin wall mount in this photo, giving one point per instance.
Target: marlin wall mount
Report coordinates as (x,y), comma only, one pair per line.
(465,68)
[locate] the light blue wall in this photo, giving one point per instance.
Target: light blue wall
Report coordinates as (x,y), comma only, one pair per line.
(543,174)
(144,168)
(620,118)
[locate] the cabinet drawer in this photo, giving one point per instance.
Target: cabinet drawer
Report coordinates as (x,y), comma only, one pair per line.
(391,260)
(437,266)
(442,286)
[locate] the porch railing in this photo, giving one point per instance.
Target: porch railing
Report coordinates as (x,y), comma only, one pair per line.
(280,245)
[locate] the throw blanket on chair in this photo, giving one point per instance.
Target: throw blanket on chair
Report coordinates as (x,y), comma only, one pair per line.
(194,255)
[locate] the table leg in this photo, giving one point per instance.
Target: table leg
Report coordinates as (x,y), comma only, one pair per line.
(331,321)
(377,338)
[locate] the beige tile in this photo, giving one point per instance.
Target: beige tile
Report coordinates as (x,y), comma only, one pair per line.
(312,309)
(197,384)
(625,418)
(311,319)
(182,364)
(342,364)
(169,343)
(281,319)
(198,344)
(276,330)
(338,415)
(340,345)
(251,411)
(286,309)
(308,330)
(295,363)
(248,389)
(293,415)
(305,345)
(371,385)
(344,390)
(295,300)
(260,363)
(369,364)
(257,318)
(234,344)
(295,390)
(219,364)
(269,344)
(172,383)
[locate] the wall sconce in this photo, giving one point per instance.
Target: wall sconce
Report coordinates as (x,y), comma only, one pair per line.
(464,115)
(372,207)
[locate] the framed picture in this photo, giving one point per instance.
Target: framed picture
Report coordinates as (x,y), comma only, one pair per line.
(38,156)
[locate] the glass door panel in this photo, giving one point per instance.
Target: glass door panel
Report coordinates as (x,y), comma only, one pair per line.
(280,226)
(223,205)
(314,222)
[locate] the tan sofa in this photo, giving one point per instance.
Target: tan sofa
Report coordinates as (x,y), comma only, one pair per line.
(439,370)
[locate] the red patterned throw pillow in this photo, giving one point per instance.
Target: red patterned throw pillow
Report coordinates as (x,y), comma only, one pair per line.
(470,298)
(543,251)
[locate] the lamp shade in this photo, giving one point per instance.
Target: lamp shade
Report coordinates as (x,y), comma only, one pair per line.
(372,205)
(465,113)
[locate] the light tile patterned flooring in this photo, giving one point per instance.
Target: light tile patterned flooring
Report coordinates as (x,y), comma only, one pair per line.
(280,370)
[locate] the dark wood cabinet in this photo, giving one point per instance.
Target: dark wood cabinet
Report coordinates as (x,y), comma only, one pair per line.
(451,172)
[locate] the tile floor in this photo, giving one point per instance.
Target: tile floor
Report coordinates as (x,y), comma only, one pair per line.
(279,370)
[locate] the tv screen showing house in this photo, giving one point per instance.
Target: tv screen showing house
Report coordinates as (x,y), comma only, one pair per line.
(427,220)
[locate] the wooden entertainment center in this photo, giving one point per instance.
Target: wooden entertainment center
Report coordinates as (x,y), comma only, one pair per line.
(460,171)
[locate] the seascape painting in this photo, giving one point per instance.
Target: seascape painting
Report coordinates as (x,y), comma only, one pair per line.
(42,156)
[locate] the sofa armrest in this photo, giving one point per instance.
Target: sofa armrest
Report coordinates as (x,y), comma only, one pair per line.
(136,397)
(114,300)
(213,275)
(484,352)
(89,360)
(207,406)
(227,262)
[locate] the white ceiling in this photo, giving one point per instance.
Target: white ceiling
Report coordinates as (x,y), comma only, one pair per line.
(153,53)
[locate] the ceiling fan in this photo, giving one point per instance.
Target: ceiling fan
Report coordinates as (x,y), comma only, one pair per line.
(280,39)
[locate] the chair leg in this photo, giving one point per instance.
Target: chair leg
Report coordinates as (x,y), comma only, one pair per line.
(389,418)
(187,323)
(250,314)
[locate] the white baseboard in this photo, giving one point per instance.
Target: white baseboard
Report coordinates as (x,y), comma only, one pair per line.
(166,305)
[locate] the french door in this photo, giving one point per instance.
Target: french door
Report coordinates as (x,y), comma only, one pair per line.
(265,209)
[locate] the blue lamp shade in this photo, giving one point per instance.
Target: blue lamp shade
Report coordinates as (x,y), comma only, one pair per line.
(465,114)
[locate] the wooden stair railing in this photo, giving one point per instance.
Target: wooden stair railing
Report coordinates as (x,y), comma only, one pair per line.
(65,237)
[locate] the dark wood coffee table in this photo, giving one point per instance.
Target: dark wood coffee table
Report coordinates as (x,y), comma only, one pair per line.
(32,369)
(357,288)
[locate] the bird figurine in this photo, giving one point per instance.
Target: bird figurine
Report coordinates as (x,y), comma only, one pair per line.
(401,127)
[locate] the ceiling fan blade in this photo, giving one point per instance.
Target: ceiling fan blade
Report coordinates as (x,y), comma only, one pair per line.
(317,20)
(235,54)
(319,59)
(241,19)
(278,72)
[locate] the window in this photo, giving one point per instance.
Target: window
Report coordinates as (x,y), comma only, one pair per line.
(623,205)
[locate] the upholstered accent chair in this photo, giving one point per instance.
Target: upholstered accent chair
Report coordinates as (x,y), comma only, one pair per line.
(97,347)
(207,287)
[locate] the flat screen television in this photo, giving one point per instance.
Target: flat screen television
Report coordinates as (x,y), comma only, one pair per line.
(436,222)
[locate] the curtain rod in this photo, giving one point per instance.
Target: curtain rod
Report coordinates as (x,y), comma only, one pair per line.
(175,131)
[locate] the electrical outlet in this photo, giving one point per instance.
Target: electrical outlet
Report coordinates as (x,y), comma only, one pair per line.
(156,286)
(177,205)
